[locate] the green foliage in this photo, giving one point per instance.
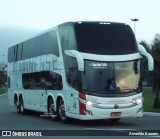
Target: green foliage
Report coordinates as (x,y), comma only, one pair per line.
(153,77)
(3,75)
(156,47)
(156,73)
(2,91)
(145,45)
(149,97)
(146,76)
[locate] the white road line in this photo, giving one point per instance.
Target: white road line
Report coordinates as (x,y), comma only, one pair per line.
(95,129)
(122,129)
(116,129)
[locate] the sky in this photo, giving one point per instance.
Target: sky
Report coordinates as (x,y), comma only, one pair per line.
(44,14)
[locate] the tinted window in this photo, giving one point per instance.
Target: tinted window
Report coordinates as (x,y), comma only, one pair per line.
(30,48)
(40,45)
(67,37)
(20,50)
(11,56)
(72,72)
(106,39)
(42,80)
(108,78)
(68,42)
(43,44)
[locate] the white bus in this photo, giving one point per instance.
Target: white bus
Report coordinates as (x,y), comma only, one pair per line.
(81,70)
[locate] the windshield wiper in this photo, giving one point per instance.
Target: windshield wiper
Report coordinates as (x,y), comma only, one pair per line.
(92,90)
(130,90)
(87,89)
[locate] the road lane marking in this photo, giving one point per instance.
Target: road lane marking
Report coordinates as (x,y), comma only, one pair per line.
(115,129)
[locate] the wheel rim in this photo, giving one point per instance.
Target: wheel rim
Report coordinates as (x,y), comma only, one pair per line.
(21,107)
(17,106)
(50,110)
(62,111)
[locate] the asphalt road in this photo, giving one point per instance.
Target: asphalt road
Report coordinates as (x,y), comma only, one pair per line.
(11,120)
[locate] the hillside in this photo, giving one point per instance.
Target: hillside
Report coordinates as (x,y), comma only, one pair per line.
(11,34)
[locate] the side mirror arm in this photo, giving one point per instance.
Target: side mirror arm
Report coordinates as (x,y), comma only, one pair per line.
(143,51)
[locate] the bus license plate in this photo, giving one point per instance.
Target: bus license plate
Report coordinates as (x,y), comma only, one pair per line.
(115,114)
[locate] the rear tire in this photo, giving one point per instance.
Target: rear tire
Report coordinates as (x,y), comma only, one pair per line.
(21,108)
(61,111)
(17,105)
(51,112)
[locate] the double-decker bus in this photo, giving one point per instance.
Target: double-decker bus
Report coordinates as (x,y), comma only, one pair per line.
(82,70)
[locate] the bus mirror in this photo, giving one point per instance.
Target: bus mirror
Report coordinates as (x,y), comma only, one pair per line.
(143,51)
(135,67)
(78,57)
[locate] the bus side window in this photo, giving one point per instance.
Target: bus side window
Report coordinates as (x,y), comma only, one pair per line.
(57,84)
(53,81)
(42,80)
(26,81)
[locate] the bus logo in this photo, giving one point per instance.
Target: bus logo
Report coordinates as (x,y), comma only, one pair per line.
(116,106)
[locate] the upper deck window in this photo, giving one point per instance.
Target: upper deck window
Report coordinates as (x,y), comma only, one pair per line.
(105,39)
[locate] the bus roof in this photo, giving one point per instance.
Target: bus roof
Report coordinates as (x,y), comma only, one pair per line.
(64,24)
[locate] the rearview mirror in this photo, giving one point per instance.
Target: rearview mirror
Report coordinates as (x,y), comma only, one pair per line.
(143,51)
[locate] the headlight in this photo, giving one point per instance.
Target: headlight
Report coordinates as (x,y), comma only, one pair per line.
(138,101)
(88,102)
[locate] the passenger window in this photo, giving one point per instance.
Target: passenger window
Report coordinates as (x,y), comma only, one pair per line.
(42,80)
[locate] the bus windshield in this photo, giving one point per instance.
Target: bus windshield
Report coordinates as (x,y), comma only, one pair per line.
(105,39)
(111,77)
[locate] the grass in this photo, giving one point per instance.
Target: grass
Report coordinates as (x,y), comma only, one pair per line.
(149,100)
(2,91)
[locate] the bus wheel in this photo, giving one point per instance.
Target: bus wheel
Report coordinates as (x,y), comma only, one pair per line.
(17,104)
(21,110)
(51,110)
(61,111)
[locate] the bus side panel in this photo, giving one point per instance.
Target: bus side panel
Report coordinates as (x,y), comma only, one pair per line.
(12,89)
(11,97)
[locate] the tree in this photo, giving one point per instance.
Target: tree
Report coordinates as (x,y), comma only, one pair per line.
(145,45)
(3,75)
(146,76)
(156,73)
